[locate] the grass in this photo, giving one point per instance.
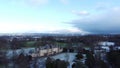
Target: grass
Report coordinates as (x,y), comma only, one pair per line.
(30,44)
(62,44)
(1,66)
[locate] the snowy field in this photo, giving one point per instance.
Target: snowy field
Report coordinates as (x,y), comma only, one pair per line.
(67,57)
(70,57)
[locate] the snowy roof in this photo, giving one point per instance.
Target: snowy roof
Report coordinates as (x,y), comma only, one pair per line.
(105,43)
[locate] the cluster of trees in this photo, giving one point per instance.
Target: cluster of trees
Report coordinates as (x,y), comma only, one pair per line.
(86,39)
(78,63)
(90,61)
(79,56)
(3,59)
(23,61)
(114,58)
(20,61)
(93,62)
(68,50)
(3,49)
(51,63)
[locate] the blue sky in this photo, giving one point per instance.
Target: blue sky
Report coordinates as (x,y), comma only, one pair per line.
(59,16)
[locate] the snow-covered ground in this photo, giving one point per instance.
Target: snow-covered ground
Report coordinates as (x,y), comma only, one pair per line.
(70,57)
(19,51)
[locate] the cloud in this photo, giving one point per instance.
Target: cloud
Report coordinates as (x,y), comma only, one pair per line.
(39,1)
(64,1)
(31,2)
(107,22)
(20,27)
(102,6)
(70,31)
(81,13)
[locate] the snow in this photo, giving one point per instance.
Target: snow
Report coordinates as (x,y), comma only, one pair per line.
(106,48)
(70,57)
(18,51)
(66,56)
(106,43)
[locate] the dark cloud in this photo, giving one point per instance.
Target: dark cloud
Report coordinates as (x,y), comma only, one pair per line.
(108,22)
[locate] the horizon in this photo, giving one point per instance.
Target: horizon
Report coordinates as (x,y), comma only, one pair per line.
(60,16)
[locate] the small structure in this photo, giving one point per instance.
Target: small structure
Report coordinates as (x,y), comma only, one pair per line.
(102,48)
(106,43)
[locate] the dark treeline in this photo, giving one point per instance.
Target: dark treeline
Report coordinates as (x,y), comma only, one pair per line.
(86,39)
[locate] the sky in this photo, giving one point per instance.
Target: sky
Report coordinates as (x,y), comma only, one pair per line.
(60,16)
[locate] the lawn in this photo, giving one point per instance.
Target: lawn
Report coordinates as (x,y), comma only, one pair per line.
(62,44)
(1,66)
(30,44)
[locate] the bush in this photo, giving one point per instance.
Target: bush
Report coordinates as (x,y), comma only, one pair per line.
(114,58)
(56,63)
(65,49)
(71,50)
(79,56)
(90,61)
(79,64)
